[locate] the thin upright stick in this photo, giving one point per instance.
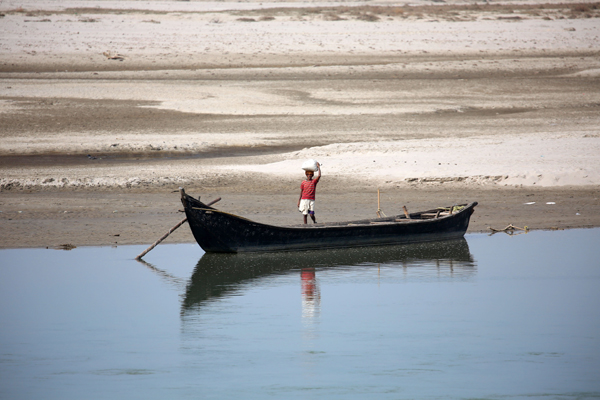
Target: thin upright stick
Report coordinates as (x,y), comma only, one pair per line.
(142,254)
(379,212)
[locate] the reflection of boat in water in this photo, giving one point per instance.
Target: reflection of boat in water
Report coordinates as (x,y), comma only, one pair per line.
(218,275)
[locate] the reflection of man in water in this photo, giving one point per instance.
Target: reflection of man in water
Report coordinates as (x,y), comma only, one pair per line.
(308,283)
(311,296)
(311,307)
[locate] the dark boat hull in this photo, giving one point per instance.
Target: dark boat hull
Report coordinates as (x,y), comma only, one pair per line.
(218,231)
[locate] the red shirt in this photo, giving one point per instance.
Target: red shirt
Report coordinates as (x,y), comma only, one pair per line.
(308,189)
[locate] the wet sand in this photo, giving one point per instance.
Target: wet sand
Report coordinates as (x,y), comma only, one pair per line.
(106,111)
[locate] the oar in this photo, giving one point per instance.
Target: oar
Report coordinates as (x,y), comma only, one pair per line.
(142,254)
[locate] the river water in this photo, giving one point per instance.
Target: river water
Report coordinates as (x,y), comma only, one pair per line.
(488,317)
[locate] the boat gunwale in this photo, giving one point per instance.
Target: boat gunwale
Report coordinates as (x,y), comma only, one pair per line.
(346,224)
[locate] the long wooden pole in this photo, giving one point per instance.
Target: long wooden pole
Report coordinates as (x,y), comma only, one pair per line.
(142,254)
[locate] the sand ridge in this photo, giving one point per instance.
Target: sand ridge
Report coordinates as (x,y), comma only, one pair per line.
(136,98)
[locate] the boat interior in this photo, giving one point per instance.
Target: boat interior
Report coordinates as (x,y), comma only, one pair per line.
(407,217)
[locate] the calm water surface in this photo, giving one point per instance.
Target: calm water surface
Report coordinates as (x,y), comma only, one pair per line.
(489,317)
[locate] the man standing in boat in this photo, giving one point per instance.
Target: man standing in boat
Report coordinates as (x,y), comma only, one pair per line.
(306,202)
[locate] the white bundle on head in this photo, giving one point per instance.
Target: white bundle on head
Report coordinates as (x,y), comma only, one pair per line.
(310,165)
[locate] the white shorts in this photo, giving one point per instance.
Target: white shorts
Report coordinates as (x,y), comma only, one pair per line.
(307,206)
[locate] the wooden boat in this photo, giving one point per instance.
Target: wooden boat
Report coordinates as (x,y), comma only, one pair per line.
(221,232)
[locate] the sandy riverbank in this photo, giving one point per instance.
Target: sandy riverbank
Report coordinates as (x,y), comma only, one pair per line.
(82,218)
(105,109)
